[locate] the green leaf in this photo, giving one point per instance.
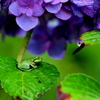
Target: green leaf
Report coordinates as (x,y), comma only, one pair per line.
(6,64)
(81,87)
(27,85)
(91,37)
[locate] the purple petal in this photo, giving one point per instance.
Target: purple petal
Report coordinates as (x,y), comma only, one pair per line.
(40,2)
(21,33)
(37,10)
(29,11)
(22,9)
(77,10)
(5,3)
(58,1)
(68,7)
(83,2)
(47,1)
(97,21)
(64,1)
(55,1)
(39,42)
(14,9)
(89,10)
(53,8)
(26,3)
(63,14)
(57,48)
(96,5)
(40,33)
(26,23)
(37,47)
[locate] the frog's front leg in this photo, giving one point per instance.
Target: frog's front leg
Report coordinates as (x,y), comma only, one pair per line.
(34,61)
(33,66)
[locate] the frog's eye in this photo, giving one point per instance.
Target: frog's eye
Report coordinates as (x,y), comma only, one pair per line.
(37,59)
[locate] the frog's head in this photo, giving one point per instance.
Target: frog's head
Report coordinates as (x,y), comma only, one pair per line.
(37,59)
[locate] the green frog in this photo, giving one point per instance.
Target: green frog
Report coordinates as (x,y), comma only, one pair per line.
(29,64)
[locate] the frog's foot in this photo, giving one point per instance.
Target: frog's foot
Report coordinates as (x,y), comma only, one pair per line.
(24,68)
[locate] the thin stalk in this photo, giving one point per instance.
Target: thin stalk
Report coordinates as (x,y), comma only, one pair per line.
(24,46)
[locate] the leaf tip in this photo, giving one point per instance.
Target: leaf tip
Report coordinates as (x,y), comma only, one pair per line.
(61,95)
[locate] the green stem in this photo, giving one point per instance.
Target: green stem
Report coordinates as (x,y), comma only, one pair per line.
(24,46)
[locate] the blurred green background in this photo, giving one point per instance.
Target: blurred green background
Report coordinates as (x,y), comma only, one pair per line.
(86,61)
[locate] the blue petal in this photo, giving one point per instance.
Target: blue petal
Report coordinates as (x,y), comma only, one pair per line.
(47,1)
(89,10)
(83,2)
(97,21)
(63,14)
(14,9)
(40,33)
(26,22)
(37,47)
(76,10)
(57,48)
(39,43)
(37,10)
(53,8)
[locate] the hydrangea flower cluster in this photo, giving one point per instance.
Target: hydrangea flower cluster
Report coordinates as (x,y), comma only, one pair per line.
(55,22)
